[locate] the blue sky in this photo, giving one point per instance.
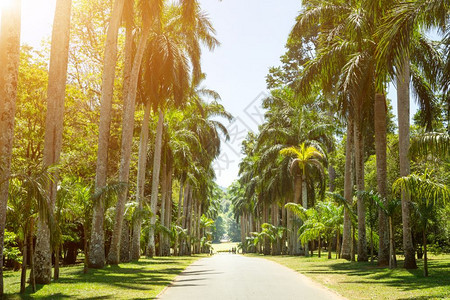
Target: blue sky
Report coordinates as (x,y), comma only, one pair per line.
(252,35)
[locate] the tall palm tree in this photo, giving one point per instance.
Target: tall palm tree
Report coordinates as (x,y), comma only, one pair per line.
(9,60)
(152,16)
(307,161)
(97,247)
(168,58)
(56,92)
(394,53)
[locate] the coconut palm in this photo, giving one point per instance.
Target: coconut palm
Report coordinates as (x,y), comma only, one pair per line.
(9,59)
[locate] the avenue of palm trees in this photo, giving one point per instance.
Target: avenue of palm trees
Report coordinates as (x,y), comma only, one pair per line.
(108,137)
(329,165)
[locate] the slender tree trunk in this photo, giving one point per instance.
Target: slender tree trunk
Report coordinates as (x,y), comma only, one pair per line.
(56,270)
(425,255)
(338,243)
(85,249)
(56,92)
(155,183)
(179,215)
(319,248)
(284,223)
(380,112)
(168,210)
(32,269)
(163,206)
(329,247)
(371,244)
(97,243)
(353,243)
(403,80)
(295,219)
(23,275)
(9,72)
(359,162)
(392,260)
(142,165)
(126,147)
(305,205)
(348,195)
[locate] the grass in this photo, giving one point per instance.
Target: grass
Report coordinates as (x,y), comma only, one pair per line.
(136,280)
(367,281)
(223,247)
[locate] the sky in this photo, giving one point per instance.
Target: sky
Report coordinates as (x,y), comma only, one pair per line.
(252,34)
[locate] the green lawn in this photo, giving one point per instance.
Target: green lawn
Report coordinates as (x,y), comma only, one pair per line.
(223,247)
(138,280)
(367,281)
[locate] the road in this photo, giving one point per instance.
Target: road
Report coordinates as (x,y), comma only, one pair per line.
(228,276)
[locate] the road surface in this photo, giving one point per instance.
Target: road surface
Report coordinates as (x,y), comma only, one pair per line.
(230,276)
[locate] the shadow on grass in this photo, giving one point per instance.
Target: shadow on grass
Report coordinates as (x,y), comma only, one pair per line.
(137,275)
(406,280)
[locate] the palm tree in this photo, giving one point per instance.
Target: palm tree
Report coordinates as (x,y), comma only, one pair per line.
(53,129)
(425,193)
(9,60)
(152,16)
(434,143)
(97,247)
(307,160)
(394,53)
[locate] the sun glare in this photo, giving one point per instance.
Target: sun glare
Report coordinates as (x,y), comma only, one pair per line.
(5,3)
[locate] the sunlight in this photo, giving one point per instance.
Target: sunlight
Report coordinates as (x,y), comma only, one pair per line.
(5,3)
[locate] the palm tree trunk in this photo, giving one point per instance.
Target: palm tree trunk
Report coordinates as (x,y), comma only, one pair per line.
(329,247)
(305,205)
(338,243)
(425,255)
(392,260)
(142,165)
(85,248)
(125,242)
(163,207)
(179,215)
(53,129)
(32,270)
(185,220)
(97,247)
(284,224)
(359,162)
(23,275)
(125,250)
(168,210)
(319,248)
(155,183)
(9,72)
(348,195)
(380,112)
(353,243)
(403,80)
(295,219)
(126,147)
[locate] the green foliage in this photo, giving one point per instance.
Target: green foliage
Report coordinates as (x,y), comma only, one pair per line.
(11,250)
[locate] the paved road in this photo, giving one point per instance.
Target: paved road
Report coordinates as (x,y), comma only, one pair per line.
(228,276)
